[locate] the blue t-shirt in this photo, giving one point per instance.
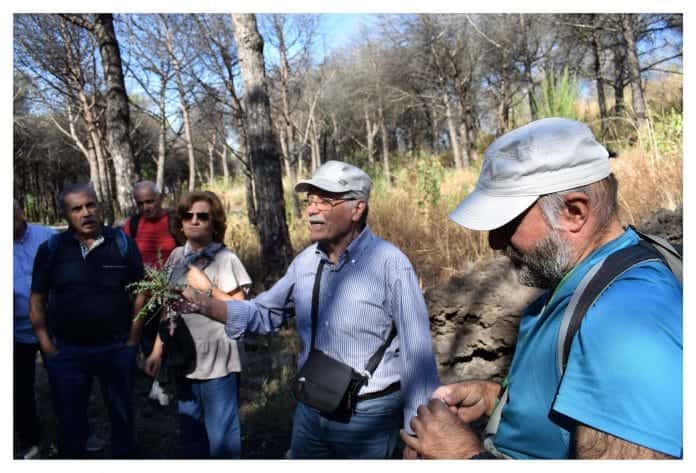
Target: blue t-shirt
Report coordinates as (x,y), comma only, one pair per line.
(24,253)
(624,372)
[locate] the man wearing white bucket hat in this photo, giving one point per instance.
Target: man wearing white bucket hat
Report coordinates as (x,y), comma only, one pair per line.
(548,199)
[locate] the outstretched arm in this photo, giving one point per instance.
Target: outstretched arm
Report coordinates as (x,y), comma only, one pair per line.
(210,306)
(264,314)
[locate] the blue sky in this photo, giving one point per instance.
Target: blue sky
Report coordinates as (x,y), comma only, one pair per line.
(339,29)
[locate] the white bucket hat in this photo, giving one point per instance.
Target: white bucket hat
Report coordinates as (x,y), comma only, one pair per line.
(340,178)
(543,157)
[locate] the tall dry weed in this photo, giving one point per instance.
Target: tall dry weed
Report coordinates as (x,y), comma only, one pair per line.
(646,185)
(437,247)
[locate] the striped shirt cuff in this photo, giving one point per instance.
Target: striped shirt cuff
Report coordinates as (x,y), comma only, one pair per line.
(237,318)
(408,415)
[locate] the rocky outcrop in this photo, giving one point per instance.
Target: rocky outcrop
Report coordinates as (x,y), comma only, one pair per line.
(664,223)
(474,318)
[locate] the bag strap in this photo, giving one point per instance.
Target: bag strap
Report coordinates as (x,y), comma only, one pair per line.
(376,357)
(122,242)
(494,420)
(133,223)
(52,247)
(120,237)
(593,285)
(177,234)
(672,254)
(315,299)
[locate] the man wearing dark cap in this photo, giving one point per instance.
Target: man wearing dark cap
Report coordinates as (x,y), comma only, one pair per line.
(547,197)
(367,298)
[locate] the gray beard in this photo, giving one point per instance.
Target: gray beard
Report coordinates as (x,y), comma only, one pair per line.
(545,265)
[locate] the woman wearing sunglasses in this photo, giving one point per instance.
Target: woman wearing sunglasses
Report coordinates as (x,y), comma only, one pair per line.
(208,401)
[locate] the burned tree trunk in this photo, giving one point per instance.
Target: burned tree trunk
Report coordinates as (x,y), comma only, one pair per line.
(276,249)
(117,112)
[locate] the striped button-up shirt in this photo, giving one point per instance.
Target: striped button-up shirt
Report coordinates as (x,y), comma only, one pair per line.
(372,285)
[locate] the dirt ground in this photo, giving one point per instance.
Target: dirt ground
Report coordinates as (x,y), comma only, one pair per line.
(265,410)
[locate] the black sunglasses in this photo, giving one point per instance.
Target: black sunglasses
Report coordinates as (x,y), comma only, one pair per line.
(202,216)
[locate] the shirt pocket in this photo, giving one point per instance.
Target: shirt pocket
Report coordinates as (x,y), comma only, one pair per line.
(113,275)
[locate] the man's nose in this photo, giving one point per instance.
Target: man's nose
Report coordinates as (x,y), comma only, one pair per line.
(312,209)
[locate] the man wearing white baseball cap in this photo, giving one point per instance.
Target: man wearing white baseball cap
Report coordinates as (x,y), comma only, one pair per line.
(367,360)
(547,196)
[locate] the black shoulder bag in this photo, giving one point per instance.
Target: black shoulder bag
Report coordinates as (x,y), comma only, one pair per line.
(325,383)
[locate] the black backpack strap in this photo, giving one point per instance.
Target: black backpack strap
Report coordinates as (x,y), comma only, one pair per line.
(377,357)
(315,299)
(671,254)
(133,223)
(52,244)
(591,287)
(122,242)
(175,232)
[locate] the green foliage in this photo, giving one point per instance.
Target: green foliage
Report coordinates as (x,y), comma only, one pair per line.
(484,141)
(558,95)
(430,173)
(668,134)
(155,285)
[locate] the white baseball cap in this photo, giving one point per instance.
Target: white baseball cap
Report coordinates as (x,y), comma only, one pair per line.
(340,178)
(543,157)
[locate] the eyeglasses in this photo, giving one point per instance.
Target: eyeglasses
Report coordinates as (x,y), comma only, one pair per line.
(323,204)
(140,203)
(201,216)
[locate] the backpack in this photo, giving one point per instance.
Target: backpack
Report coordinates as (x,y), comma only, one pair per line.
(603,273)
(590,288)
(121,242)
(135,220)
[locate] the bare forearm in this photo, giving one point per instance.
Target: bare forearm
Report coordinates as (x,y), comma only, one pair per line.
(594,444)
(37,316)
(158,346)
(137,324)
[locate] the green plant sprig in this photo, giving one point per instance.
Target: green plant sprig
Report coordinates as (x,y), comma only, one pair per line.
(155,286)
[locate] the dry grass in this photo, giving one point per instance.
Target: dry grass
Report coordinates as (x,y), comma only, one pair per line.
(437,247)
(647,183)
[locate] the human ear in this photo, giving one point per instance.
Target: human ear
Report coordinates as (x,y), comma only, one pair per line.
(358,210)
(574,215)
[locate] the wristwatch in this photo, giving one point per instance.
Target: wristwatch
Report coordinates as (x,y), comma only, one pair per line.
(209,292)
